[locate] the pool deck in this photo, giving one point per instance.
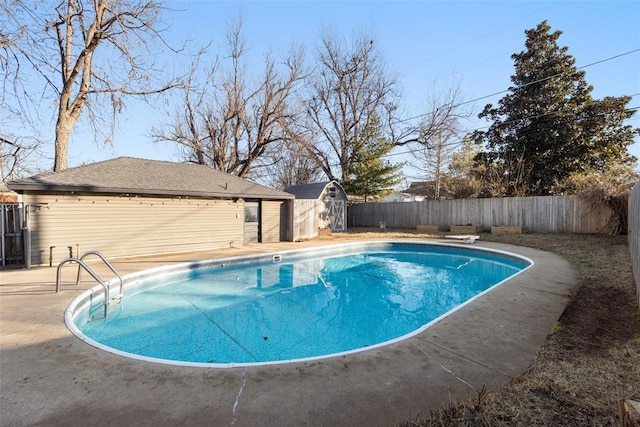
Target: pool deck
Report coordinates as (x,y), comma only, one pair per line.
(49,377)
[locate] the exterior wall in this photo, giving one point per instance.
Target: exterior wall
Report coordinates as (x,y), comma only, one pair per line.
(634,234)
(402,197)
(127,226)
(322,209)
(324,206)
(306,219)
(315,209)
(271,220)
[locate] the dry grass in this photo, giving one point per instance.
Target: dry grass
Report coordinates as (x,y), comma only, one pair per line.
(590,362)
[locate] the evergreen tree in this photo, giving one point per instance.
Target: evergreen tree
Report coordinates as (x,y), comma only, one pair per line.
(370,175)
(548,126)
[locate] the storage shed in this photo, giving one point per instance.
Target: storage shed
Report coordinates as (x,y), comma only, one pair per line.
(130,207)
(327,204)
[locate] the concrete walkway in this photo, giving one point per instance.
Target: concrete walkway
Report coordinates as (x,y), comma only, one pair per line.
(49,377)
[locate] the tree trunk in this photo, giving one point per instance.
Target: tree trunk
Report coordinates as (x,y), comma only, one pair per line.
(438,166)
(63,131)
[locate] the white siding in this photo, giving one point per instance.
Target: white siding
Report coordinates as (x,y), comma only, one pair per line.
(127,226)
(306,219)
(324,206)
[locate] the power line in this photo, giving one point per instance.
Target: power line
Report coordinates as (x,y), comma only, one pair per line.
(508,53)
(525,85)
(415,150)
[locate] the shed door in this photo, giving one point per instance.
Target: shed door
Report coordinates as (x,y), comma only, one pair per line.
(336,215)
(251,222)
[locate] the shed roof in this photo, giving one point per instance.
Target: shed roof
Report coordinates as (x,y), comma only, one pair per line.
(311,191)
(142,176)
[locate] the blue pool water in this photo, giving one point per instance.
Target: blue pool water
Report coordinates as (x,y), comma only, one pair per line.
(303,305)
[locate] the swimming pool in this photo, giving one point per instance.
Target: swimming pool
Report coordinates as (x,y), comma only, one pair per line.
(290,306)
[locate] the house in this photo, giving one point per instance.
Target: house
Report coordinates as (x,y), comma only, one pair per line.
(403,196)
(418,192)
(128,206)
(326,206)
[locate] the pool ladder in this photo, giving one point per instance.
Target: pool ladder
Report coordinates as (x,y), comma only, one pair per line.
(82,265)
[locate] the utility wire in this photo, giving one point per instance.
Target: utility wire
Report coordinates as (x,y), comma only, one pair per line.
(415,150)
(418,149)
(525,85)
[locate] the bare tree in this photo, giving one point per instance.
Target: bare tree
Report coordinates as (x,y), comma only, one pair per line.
(441,132)
(350,88)
(347,90)
(292,166)
(10,32)
(20,153)
(228,124)
(18,157)
(432,161)
(185,124)
(90,52)
(462,179)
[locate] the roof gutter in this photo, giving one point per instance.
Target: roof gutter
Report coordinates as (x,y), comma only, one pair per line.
(19,188)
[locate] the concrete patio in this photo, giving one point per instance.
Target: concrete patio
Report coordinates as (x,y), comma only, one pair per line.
(50,377)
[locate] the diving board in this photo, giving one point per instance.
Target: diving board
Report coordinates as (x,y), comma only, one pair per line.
(466,238)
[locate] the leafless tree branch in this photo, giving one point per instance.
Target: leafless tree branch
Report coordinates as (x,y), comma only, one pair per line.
(228,124)
(87,53)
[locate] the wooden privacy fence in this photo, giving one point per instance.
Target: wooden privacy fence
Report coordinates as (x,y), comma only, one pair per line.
(542,214)
(634,234)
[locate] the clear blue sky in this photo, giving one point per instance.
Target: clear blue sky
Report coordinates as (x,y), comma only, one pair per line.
(431,45)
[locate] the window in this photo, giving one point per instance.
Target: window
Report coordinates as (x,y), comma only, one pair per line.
(251,213)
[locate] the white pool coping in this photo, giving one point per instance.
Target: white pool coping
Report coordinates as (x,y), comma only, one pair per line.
(95,296)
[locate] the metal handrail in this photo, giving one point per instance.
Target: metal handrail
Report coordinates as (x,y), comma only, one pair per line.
(108,264)
(90,271)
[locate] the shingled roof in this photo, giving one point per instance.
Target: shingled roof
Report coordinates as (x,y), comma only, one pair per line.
(310,191)
(127,175)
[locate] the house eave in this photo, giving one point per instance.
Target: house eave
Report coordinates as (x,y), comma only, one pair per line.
(43,188)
